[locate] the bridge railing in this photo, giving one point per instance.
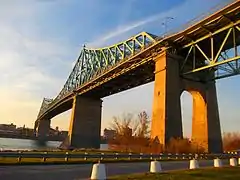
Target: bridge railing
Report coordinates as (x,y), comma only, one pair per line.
(110,156)
(198,18)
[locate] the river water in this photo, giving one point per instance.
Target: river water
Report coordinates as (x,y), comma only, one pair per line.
(26,144)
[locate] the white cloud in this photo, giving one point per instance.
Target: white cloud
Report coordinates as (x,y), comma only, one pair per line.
(181,14)
(29,66)
(26,60)
(121,31)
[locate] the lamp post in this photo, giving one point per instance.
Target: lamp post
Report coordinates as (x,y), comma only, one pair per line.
(165,24)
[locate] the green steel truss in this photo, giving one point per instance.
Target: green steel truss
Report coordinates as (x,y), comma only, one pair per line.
(93,62)
(45,104)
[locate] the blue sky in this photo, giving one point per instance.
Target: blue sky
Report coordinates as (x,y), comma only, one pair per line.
(41,40)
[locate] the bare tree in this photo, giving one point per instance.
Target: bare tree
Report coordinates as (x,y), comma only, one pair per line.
(143,121)
(138,126)
(231,141)
(131,132)
(124,126)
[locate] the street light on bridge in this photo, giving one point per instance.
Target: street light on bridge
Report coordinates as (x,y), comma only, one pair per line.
(165,24)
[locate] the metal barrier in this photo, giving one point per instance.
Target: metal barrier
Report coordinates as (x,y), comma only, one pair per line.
(110,156)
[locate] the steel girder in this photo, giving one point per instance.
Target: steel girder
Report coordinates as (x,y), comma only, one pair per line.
(215,50)
(225,62)
(93,62)
(44,106)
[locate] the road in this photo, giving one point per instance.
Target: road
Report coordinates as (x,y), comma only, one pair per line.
(77,172)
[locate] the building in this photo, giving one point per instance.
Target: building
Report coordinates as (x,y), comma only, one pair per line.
(26,132)
(8,127)
(64,133)
(109,134)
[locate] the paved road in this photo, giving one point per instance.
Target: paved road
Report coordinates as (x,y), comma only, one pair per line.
(77,172)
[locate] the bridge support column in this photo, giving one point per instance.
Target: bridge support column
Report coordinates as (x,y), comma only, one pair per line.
(42,129)
(215,143)
(85,124)
(166,115)
(206,130)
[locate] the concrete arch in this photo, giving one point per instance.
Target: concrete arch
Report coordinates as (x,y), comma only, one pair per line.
(199,118)
(186,100)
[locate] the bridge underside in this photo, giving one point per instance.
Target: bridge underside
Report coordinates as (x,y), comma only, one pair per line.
(85,122)
(141,75)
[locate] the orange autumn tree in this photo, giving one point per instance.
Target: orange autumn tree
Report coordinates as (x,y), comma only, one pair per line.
(231,141)
(182,145)
(132,134)
(124,127)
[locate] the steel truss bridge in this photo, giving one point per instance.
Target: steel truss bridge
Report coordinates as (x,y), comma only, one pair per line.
(210,45)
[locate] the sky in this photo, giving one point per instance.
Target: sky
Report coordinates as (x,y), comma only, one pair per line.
(40,41)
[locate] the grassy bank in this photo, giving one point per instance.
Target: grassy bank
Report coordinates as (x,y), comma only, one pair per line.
(229,173)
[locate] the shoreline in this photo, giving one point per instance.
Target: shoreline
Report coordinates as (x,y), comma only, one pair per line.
(16,136)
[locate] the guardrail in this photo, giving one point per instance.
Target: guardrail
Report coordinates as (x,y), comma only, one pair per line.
(114,156)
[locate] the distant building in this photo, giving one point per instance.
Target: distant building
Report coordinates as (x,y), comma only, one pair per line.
(25,131)
(8,127)
(64,133)
(109,134)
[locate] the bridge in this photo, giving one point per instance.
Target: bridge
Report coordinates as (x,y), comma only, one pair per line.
(190,60)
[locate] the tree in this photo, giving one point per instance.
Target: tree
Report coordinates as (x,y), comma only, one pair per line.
(143,122)
(182,145)
(231,141)
(124,126)
(127,125)
(131,133)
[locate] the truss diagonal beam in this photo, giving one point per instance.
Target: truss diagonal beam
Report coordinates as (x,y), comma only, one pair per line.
(221,41)
(222,45)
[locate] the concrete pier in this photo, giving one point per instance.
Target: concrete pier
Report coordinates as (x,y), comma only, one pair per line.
(166,118)
(85,124)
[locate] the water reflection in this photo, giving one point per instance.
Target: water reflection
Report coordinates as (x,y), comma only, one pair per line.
(26,144)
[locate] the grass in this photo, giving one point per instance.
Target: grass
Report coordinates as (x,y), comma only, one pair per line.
(229,173)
